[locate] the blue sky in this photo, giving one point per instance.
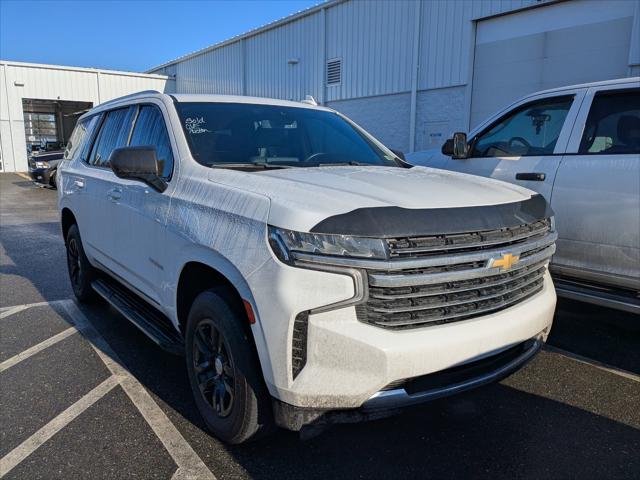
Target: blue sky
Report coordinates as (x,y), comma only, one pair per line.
(127,35)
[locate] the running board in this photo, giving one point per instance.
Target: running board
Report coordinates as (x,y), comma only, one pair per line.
(152,322)
(595,296)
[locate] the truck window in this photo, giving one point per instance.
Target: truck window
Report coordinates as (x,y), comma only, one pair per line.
(150,130)
(613,124)
(113,134)
(227,133)
(80,136)
(530,130)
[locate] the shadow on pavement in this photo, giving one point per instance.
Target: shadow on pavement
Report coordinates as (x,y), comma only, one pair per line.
(608,336)
(495,432)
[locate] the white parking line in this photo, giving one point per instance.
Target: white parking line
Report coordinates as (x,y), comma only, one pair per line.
(190,466)
(31,444)
(36,348)
(593,363)
(8,311)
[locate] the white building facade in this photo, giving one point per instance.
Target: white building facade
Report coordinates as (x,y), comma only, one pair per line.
(39,102)
(411,72)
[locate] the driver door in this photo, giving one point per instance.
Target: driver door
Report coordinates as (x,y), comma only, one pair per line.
(524,145)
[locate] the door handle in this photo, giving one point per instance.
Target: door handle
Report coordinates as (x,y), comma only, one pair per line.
(114,194)
(532,176)
(78,183)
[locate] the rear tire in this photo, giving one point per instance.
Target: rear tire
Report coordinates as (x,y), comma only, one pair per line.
(224,371)
(81,273)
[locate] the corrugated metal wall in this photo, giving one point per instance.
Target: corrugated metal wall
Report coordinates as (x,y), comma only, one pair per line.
(286,62)
(375,42)
(218,71)
(47,82)
(373,38)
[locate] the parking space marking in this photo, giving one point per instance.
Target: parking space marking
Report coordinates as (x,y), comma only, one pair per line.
(594,363)
(31,444)
(8,311)
(10,362)
(190,466)
(23,175)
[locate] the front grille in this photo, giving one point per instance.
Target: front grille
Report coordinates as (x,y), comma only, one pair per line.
(439,244)
(447,278)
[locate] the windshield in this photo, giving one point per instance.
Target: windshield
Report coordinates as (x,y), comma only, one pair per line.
(226,134)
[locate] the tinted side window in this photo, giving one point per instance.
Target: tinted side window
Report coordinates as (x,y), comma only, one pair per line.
(530,130)
(150,130)
(80,137)
(613,124)
(113,134)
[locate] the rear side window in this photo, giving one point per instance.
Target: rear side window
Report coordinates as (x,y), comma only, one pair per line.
(530,130)
(80,137)
(613,124)
(150,130)
(113,134)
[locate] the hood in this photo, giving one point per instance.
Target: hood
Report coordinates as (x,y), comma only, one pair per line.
(302,197)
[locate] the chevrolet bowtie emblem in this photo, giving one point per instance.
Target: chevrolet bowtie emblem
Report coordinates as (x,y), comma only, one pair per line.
(505,262)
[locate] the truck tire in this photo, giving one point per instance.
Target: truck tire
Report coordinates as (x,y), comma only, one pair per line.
(224,371)
(81,273)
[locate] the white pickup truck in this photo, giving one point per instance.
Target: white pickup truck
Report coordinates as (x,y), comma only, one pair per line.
(579,147)
(308,274)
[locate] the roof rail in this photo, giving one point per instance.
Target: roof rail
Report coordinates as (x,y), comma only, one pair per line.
(131,95)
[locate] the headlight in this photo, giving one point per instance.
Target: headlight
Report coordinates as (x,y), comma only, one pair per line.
(284,242)
(42,165)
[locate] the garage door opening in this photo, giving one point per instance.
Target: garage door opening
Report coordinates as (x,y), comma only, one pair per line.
(48,123)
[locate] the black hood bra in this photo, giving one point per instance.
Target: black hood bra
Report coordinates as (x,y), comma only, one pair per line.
(394,222)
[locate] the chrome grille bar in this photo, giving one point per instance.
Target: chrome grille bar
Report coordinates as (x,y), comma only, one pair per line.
(482,282)
(444,317)
(461,301)
(447,243)
(405,280)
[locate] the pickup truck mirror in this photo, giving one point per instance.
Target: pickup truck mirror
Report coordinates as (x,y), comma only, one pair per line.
(456,147)
(137,163)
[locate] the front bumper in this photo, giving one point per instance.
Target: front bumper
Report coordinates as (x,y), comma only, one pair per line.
(416,391)
(349,361)
(40,175)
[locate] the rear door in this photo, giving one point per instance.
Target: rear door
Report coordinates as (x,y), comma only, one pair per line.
(525,144)
(596,195)
(99,182)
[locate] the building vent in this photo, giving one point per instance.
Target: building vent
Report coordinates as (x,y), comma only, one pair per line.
(334,71)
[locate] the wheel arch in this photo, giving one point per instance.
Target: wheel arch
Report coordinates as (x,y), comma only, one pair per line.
(67,218)
(197,276)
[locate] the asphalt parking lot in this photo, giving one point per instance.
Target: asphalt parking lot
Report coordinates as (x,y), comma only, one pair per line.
(84,394)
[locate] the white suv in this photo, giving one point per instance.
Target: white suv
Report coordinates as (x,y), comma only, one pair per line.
(579,146)
(306,272)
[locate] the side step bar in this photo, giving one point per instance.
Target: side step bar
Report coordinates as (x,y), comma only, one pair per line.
(153,323)
(626,302)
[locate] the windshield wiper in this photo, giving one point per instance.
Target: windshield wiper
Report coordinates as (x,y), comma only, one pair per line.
(341,164)
(249,165)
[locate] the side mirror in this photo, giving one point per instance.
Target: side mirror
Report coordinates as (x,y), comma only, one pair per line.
(137,163)
(457,146)
(398,154)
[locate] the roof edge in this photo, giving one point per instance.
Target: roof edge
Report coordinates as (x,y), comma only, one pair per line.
(70,68)
(251,33)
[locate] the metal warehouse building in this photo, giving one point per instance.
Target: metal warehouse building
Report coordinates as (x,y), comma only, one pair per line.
(411,72)
(41,103)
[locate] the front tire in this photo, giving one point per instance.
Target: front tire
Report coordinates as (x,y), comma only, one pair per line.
(81,273)
(224,372)
(53,180)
